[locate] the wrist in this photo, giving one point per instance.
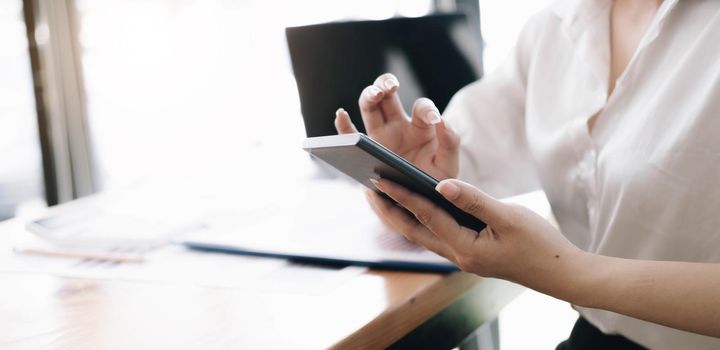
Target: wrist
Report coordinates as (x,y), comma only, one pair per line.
(589,279)
(568,275)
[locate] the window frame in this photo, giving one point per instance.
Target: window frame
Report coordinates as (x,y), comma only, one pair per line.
(52,33)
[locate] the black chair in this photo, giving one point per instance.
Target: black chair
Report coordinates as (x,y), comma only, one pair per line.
(333,62)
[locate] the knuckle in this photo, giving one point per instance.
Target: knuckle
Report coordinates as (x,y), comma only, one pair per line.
(424,218)
(516,214)
(416,225)
(401,195)
(410,238)
(474,204)
(407,231)
(397,196)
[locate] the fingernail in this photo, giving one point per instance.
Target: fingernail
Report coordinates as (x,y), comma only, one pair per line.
(340,110)
(432,117)
(448,189)
(391,83)
(376,183)
(374,91)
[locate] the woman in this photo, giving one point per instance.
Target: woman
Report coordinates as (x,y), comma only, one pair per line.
(612,108)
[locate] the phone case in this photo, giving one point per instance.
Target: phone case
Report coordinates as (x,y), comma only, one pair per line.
(361,158)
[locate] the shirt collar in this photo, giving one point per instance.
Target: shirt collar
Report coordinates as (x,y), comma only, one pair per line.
(576,15)
(660,18)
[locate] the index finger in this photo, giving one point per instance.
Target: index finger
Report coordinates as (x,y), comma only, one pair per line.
(391,105)
(474,202)
(430,215)
(413,230)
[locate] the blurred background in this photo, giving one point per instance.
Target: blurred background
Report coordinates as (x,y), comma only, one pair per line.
(100,95)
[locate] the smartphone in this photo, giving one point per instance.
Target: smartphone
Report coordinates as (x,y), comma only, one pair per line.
(361,158)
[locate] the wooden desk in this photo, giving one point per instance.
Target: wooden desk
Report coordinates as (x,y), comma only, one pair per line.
(372,309)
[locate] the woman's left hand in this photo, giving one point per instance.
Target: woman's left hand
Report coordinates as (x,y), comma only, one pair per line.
(516,245)
(522,247)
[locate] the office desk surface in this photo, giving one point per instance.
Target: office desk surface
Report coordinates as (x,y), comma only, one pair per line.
(371,309)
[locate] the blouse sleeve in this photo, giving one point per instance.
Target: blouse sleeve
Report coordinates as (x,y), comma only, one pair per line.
(489,116)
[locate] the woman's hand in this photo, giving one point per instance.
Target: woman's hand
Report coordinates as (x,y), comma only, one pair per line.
(522,247)
(424,139)
(517,244)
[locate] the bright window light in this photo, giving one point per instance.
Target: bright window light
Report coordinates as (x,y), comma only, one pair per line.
(21,181)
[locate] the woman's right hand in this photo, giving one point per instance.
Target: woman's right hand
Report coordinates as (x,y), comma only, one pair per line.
(423,139)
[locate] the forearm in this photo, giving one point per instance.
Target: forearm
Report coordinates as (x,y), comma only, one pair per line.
(521,246)
(675,294)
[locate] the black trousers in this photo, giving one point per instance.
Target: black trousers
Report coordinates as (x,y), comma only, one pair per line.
(585,336)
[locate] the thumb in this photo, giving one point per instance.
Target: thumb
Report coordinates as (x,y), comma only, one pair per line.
(473,201)
(448,143)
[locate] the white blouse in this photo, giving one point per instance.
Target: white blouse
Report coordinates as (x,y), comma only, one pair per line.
(645,183)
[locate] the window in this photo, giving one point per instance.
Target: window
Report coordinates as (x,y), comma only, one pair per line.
(197,88)
(21,181)
(501,24)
